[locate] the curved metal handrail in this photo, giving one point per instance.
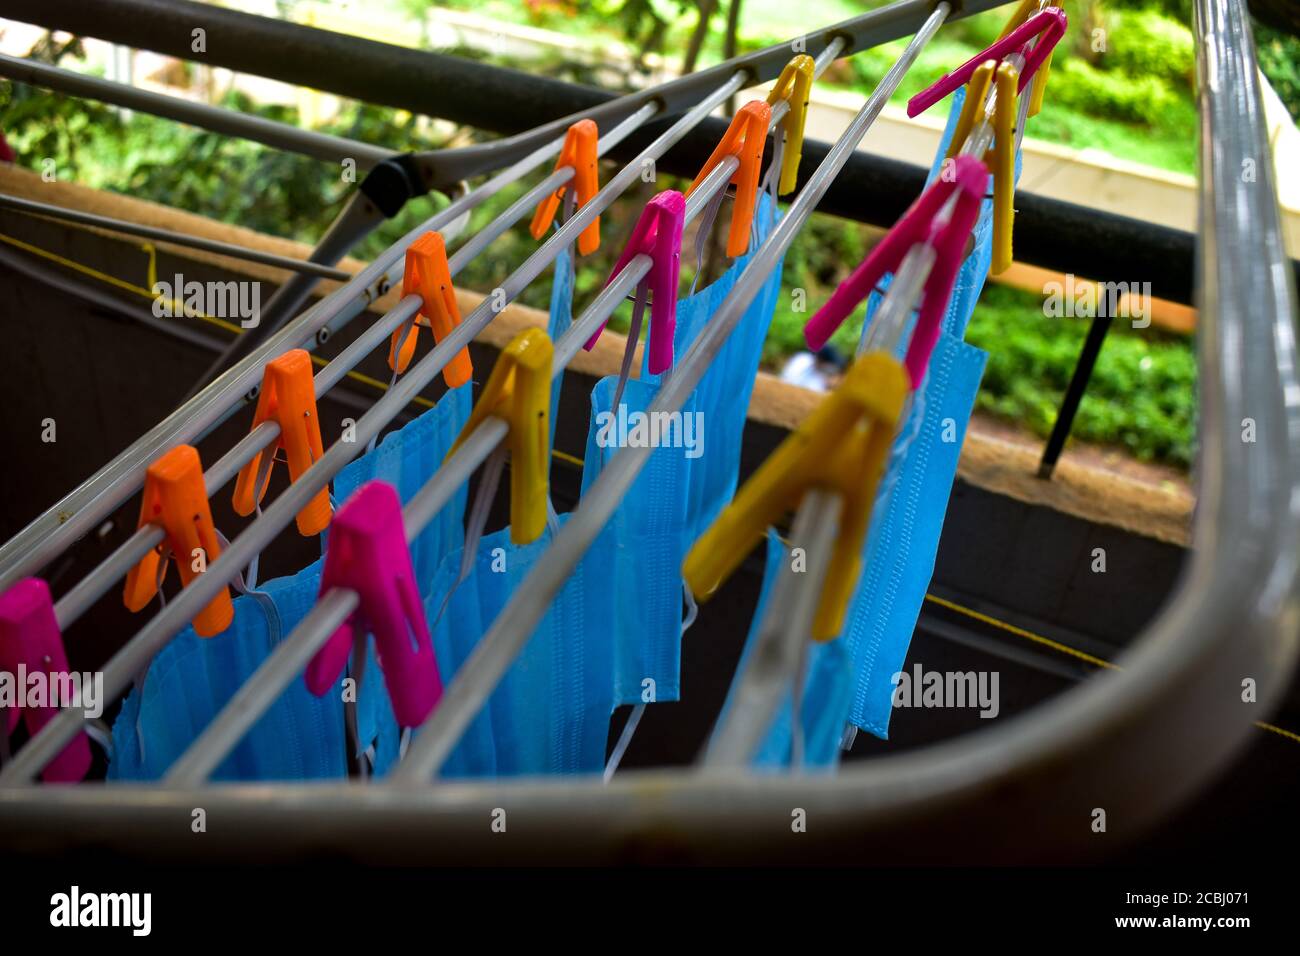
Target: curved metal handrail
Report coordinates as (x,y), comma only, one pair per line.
(1132,742)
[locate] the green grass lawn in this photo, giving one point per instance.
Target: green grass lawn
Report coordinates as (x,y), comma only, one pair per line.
(1142,395)
(1141,398)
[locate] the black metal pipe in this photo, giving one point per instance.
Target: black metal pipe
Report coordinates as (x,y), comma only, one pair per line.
(1049,233)
(435,84)
(450,87)
(1074,393)
(1056,235)
(453,88)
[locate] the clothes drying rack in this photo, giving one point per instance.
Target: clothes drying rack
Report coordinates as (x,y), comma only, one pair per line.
(1134,740)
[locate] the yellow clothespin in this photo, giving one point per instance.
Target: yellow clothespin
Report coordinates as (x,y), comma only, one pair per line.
(842,447)
(1038,86)
(794,86)
(1001,156)
(519,391)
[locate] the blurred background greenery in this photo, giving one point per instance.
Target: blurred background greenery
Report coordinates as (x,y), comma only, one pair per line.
(1133,101)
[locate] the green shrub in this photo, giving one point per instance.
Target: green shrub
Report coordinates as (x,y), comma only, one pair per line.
(981,30)
(1134,99)
(1146,43)
(1279,60)
(1141,398)
(1142,395)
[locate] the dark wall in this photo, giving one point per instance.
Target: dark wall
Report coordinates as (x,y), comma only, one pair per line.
(106,379)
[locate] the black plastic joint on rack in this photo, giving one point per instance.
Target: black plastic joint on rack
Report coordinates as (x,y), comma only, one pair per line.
(394,182)
(844,35)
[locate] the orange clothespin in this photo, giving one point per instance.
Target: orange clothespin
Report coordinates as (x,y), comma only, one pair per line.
(794,86)
(578,151)
(428,276)
(519,391)
(843,447)
(288,398)
(176,499)
(744,139)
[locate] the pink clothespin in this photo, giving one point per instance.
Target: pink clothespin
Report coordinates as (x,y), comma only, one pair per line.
(658,234)
(1050,23)
(367,553)
(968,180)
(30,643)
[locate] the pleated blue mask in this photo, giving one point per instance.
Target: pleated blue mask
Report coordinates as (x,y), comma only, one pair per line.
(827,690)
(406,459)
(682,489)
(455,629)
(648,532)
(301,737)
(723,393)
(550,713)
(850,680)
(190,681)
(561,318)
(904,537)
(908,520)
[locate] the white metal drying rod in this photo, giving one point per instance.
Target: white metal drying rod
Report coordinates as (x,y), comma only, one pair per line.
(904,293)
(774,663)
(479,675)
(122,668)
(94,585)
(264,687)
(758,689)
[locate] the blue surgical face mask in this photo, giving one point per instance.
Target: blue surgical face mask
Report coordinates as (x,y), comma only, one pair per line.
(301,737)
(683,487)
(455,629)
(560,319)
(827,688)
(850,680)
(190,681)
(550,713)
(908,520)
(649,533)
(904,537)
(723,393)
(406,459)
